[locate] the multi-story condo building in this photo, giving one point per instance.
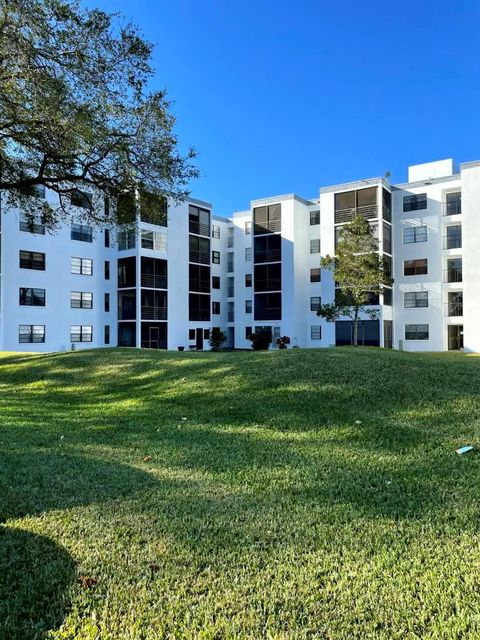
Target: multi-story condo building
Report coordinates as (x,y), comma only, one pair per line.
(170,285)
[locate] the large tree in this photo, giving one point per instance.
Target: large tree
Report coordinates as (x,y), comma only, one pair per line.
(76,113)
(359,271)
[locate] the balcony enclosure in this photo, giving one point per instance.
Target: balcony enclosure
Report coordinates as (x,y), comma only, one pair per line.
(154,335)
(127,270)
(153,273)
(268,306)
(453,272)
(455,337)
(268,277)
(198,307)
(199,278)
(267,219)
(358,202)
(453,238)
(127,305)
(455,304)
(199,221)
(153,304)
(453,203)
(267,249)
(199,250)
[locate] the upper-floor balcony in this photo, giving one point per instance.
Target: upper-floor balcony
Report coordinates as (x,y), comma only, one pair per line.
(368,211)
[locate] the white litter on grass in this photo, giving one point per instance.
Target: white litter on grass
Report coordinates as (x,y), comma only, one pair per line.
(358,422)
(183,418)
(463,450)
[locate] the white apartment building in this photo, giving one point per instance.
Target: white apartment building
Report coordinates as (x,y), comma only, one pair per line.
(258,271)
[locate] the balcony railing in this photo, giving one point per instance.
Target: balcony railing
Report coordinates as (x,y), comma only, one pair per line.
(346,215)
(154,313)
(200,257)
(153,281)
(452,208)
(452,275)
(199,228)
(271,226)
(267,256)
(452,241)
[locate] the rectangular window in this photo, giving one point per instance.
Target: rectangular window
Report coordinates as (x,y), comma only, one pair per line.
(315,303)
(248,279)
(315,246)
(216,257)
(215,231)
(415,202)
(315,275)
(126,240)
(216,308)
(107,269)
(29,297)
(415,234)
(413,299)
(215,282)
(153,240)
(454,237)
(81,333)
(106,302)
(32,260)
(82,232)
(453,203)
(191,334)
(248,254)
(416,332)
(106,334)
(199,249)
(107,237)
(81,266)
(248,306)
(267,248)
(267,219)
(199,220)
(314,217)
(316,332)
(32,333)
(81,299)
(80,199)
(454,270)
(415,267)
(206,334)
(33,225)
(248,227)
(248,332)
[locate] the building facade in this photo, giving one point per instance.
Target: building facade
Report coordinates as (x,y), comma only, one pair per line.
(171,285)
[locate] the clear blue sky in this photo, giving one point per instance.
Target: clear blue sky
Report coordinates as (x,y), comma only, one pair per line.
(285,96)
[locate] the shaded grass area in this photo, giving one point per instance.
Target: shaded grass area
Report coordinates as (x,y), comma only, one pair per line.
(295,494)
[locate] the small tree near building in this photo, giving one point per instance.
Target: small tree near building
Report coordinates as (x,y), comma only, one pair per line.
(359,271)
(217,340)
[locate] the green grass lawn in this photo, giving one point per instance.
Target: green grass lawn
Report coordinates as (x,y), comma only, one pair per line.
(295,494)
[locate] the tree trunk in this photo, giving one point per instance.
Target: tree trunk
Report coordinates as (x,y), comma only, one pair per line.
(355,329)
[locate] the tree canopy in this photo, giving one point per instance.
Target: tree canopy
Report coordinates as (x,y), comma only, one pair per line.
(359,271)
(76,113)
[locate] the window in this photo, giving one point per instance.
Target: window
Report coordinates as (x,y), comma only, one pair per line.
(415,202)
(248,254)
(315,303)
(106,334)
(206,334)
(267,248)
(191,334)
(268,306)
(107,269)
(29,297)
(314,217)
(248,279)
(199,307)
(215,231)
(248,306)
(107,237)
(199,250)
(387,238)
(106,302)
(154,240)
(416,332)
(199,220)
(414,234)
(316,332)
(454,270)
(81,266)
(248,228)
(268,277)
(32,225)
(387,297)
(267,219)
(80,199)
(454,237)
(315,275)
(415,267)
(81,300)
(216,257)
(31,333)
(455,303)
(413,299)
(82,232)
(81,333)
(216,308)
(126,240)
(315,246)
(215,282)
(248,332)
(32,260)
(453,203)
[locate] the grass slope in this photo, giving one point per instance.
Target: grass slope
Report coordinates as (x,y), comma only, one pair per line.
(235,495)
